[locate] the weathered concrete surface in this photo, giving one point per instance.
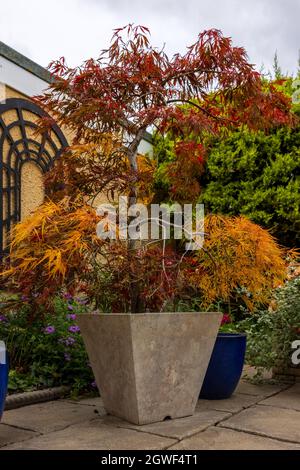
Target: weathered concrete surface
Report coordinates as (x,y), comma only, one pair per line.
(48,417)
(10,434)
(236,403)
(83,424)
(287,399)
(149,366)
(93,401)
(94,435)
(226,439)
(268,421)
(175,428)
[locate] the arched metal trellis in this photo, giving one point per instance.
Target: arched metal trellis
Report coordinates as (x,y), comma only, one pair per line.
(20,143)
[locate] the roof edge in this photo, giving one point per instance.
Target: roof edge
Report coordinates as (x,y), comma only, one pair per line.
(148,137)
(27,64)
(30,66)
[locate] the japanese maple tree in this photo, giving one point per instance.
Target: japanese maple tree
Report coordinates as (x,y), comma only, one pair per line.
(109,103)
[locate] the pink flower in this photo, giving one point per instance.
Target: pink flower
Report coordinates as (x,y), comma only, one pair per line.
(169,263)
(226,319)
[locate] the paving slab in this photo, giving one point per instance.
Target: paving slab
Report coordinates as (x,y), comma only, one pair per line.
(48,417)
(266,416)
(216,438)
(288,399)
(175,428)
(94,435)
(268,421)
(9,435)
(234,404)
(260,390)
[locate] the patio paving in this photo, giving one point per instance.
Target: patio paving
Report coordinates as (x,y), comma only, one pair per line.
(256,417)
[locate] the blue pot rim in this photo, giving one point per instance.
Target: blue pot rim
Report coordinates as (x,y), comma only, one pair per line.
(232,335)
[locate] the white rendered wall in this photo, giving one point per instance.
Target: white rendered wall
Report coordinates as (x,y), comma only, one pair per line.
(19,79)
(30,85)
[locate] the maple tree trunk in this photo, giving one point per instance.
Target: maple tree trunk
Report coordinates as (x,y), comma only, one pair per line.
(135,300)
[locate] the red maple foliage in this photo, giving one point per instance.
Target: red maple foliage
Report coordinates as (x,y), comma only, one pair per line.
(134,86)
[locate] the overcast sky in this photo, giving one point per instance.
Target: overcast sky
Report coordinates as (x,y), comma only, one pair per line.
(78,29)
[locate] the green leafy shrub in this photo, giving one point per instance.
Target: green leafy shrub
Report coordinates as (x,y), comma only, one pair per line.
(270,333)
(257,175)
(47,351)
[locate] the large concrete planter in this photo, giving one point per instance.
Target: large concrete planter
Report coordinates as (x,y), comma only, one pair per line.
(149,366)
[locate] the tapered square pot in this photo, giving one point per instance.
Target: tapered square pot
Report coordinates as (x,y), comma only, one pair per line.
(151,366)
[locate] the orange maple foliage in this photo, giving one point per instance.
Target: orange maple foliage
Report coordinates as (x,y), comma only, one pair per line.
(58,248)
(237,254)
(51,248)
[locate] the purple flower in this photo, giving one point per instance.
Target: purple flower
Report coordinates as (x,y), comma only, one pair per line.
(74,329)
(94,385)
(49,330)
(67,357)
(70,341)
(24,297)
(3,319)
(71,316)
(70,307)
(68,296)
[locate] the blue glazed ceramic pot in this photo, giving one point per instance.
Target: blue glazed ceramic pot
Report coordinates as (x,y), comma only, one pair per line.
(225,367)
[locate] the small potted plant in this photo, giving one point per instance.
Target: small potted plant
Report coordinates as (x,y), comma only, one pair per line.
(226,363)
(3,376)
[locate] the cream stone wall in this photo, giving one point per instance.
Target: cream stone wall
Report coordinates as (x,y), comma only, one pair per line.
(10,93)
(32,184)
(33,191)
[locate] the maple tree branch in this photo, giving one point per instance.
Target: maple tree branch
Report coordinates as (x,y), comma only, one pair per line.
(191,71)
(205,111)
